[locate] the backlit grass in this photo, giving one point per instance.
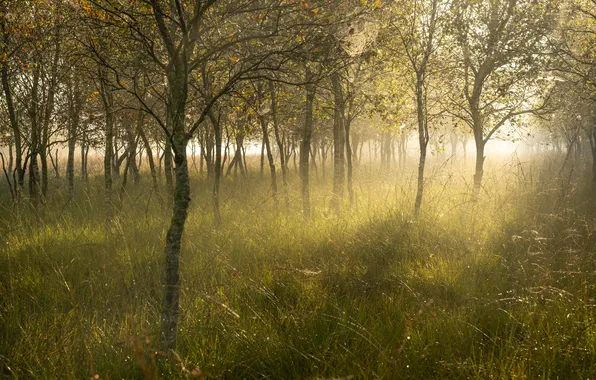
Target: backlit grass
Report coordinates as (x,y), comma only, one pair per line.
(502,288)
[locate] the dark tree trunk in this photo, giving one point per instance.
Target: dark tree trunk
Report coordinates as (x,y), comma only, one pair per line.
(280,143)
(262,157)
(55,164)
(592,139)
(167,156)
(264,128)
(150,159)
(10,157)
(131,135)
(49,109)
(338,144)
(108,102)
(177,93)
(171,302)
(75,104)
(34,181)
(305,146)
(15,130)
(217,169)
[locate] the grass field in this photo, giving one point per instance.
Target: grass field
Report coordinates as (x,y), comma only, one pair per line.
(502,288)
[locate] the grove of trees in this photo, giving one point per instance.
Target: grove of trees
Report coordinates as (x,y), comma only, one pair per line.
(158,93)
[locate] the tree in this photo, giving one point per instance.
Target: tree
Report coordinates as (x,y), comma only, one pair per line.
(419,27)
(501,49)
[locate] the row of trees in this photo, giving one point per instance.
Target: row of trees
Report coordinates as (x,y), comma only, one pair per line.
(153,76)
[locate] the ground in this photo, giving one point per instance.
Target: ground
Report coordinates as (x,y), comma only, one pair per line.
(500,288)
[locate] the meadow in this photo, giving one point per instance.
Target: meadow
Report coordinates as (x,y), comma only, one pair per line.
(499,288)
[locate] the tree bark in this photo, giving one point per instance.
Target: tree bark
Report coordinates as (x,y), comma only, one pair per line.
(167,156)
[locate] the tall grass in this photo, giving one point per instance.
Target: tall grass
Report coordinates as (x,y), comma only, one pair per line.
(502,288)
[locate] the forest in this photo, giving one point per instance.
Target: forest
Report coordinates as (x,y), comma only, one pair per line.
(298,189)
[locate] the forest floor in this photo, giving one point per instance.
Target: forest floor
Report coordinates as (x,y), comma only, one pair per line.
(501,288)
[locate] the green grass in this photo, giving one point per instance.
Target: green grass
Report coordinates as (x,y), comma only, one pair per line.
(504,288)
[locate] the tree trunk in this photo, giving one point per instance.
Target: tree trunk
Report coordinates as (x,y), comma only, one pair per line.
(168,166)
(177,93)
(55,164)
(592,139)
(150,159)
(323,155)
(15,129)
(338,144)
(171,302)
(349,162)
(423,138)
(108,101)
(280,143)
(10,157)
(35,141)
(131,135)
(49,109)
(269,159)
(217,169)
(262,157)
(75,103)
(479,168)
(305,145)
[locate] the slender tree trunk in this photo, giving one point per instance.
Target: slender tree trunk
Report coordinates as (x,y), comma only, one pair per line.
(74,107)
(280,142)
(55,164)
(423,138)
(479,168)
(108,101)
(217,169)
(201,154)
(15,129)
(10,158)
(43,158)
(313,156)
(592,139)
(34,180)
(171,303)
(338,144)
(269,159)
(131,135)
(177,93)
(323,155)
(262,157)
(150,159)
(349,162)
(305,146)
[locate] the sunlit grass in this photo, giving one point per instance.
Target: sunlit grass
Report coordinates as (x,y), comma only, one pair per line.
(502,288)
